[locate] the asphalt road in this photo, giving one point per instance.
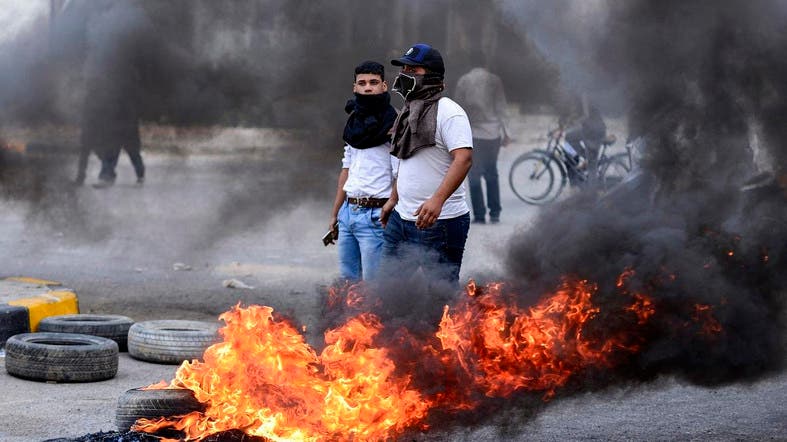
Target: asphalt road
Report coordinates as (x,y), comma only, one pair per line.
(163,251)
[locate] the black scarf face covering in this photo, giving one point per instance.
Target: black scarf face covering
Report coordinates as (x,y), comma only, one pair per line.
(371,119)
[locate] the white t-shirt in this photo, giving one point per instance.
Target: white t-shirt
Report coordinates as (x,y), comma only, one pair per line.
(421,174)
(481,94)
(371,171)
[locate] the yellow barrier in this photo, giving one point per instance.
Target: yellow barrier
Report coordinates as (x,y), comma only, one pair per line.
(60,302)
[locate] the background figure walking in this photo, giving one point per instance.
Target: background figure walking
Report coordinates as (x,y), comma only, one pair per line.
(481,94)
(113,93)
(110,123)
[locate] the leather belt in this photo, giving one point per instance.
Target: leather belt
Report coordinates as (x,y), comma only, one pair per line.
(369,203)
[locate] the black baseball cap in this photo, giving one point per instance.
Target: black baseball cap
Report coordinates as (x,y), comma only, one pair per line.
(421,54)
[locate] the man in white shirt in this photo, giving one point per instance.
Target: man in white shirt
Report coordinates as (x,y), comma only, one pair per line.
(481,94)
(366,178)
(428,210)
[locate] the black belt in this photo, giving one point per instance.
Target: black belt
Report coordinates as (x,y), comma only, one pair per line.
(369,203)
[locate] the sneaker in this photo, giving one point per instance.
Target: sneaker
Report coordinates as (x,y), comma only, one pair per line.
(479,221)
(140,181)
(494,219)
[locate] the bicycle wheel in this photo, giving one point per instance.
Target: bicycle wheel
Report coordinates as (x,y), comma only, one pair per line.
(613,171)
(531,178)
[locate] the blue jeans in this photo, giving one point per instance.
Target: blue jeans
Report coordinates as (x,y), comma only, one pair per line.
(360,242)
(437,250)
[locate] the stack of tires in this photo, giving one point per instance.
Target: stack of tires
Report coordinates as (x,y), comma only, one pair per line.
(85,348)
(163,342)
(69,348)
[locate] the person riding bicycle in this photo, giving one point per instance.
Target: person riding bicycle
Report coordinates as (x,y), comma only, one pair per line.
(584,137)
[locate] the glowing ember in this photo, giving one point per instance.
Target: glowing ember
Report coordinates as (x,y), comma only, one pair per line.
(265,380)
(709,326)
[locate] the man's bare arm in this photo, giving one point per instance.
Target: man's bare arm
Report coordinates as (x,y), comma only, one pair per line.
(340,196)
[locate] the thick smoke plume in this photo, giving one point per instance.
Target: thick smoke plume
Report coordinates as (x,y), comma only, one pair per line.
(703,85)
(699,228)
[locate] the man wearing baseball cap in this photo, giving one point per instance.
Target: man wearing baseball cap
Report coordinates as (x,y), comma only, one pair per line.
(433,141)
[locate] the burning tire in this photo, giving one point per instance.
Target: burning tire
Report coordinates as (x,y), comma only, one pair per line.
(61,357)
(170,341)
(138,403)
(114,327)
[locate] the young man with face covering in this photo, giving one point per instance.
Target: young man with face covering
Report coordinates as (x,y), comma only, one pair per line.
(433,141)
(366,178)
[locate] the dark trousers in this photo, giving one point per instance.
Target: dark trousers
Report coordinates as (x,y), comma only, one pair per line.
(437,250)
(109,162)
(485,154)
(84,155)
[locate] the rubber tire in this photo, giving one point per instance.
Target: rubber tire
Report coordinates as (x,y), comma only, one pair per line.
(618,162)
(61,357)
(114,327)
(14,320)
(518,169)
(138,403)
(171,341)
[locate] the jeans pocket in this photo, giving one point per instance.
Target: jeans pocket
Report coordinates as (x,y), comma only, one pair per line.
(434,237)
(344,216)
(374,217)
(374,222)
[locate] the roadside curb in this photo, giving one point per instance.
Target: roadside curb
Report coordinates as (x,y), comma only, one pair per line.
(25,301)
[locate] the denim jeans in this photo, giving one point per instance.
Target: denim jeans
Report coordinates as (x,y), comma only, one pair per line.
(360,242)
(437,250)
(485,154)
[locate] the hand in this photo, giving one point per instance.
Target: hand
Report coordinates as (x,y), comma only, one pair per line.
(386,210)
(506,141)
(428,212)
(332,224)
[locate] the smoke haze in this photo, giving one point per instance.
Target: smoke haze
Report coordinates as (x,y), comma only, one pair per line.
(701,81)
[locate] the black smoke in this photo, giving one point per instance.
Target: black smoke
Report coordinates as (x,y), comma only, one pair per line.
(701,81)
(701,224)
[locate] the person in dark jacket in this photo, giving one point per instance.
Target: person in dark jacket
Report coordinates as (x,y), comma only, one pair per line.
(110,123)
(586,135)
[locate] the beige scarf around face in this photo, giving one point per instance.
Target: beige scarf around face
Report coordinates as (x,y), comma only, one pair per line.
(415,126)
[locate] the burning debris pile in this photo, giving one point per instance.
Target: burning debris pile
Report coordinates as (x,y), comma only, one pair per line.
(265,380)
(679,275)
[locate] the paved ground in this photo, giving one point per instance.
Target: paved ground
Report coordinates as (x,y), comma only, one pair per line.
(119,249)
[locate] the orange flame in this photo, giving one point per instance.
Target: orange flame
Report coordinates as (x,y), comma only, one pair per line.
(504,348)
(265,380)
(351,295)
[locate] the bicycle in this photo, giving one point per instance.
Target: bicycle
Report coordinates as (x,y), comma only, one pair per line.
(539,176)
